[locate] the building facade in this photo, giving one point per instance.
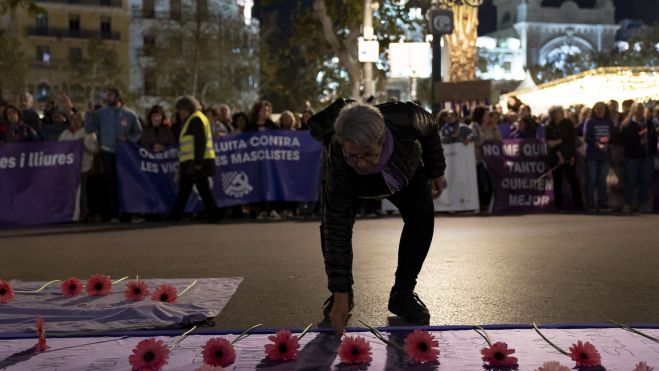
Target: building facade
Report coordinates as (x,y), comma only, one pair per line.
(531,34)
(54,40)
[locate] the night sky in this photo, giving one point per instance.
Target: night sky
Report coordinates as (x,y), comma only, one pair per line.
(645,10)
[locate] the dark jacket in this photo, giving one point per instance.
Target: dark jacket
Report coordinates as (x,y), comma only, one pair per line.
(594,130)
(157,135)
(416,139)
(631,139)
(567,133)
(196,129)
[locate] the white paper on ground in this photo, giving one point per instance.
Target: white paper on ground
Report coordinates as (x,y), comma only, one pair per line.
(460,350)
(112,312)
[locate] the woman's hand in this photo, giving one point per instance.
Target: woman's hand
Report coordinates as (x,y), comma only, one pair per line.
(339,313)
(437,185)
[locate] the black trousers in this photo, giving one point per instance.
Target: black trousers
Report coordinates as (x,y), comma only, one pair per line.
(109,161)
(571,175)
(185,189)
(417,209)
(484,182)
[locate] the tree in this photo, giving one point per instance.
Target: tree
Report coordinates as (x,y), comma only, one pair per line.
(207,54)
(461,44)
(12,66)
(98,69)
(8,5)
(316,58)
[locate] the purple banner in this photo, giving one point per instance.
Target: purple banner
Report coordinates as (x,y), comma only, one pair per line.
(251,167)
(518,170)
(39,181)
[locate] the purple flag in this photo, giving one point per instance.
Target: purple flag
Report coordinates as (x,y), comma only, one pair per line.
(39,181)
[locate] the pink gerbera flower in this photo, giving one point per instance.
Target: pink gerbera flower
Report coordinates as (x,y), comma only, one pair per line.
(284,346)
(553,366)
(421,347)
(6,293)
(219,352)
(209,368)
(71,287)
(585,354)
(98,285)
(498,355)
(642,366)
(355,350)
(149,355)
(164,293)
(136,291)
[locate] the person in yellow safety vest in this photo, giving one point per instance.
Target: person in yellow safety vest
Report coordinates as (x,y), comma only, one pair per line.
(197,158)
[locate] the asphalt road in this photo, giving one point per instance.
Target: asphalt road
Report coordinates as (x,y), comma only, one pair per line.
(485,270)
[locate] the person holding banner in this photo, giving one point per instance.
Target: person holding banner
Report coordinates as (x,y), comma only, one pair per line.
(561,137)
(391,151)
(112,124)
(197,159)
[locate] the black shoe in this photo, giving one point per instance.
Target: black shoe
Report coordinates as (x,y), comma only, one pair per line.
(407,305)
(329,303)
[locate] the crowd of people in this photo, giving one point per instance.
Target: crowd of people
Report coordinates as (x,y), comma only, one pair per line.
(101,128)
(586,146)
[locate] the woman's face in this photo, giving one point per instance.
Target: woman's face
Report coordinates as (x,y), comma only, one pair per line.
(640,113)
(559,116)
(156,119)
(362,158)
(241,123)
(12,116)
(75,123)
(265,112)
(286,122)
(600,110)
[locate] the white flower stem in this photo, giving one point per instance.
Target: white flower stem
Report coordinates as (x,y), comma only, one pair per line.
(245,334)
(37,290)
(181,338)
(634,331)
(548,341)
(481,331)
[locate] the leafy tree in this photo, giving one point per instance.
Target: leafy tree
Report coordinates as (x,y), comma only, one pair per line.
(206,54)
(8,5)
(319,61)
(98,69)
(12,66)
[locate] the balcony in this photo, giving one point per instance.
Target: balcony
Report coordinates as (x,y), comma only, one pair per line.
(72,34)
(101,3)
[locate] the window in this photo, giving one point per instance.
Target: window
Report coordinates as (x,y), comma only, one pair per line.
(75,55)
(42,22)
(43,92)
(148,8)
(149,44)
(507,66)
(106,26)
(175,10)
(150,87)
(74,23)
(43,53)
(507,17)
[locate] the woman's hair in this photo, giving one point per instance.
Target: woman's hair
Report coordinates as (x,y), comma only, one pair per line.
(5,113)
(584,114)
(636,107)
(514,106)
(188,103)
(442,117)
(553,111)
(361,124)
(479,114)
(237,116)
(154,110)
(256,108)
(607,112)
(290,116)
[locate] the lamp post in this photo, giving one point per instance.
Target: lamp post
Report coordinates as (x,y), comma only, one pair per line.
(441,22)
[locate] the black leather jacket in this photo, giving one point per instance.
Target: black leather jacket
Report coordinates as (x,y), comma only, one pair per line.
(416,143)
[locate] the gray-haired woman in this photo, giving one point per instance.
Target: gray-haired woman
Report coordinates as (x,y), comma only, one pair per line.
(391,151)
